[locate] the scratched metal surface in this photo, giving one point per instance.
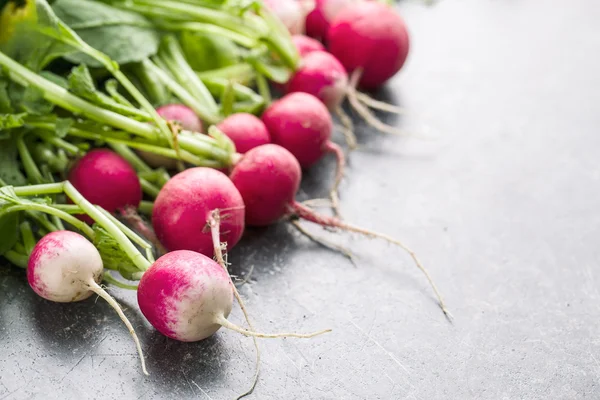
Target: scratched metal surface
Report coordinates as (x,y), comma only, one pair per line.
(503,208)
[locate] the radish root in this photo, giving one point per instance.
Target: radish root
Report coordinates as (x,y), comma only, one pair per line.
(339,175)
(347,128)
(323,242)
(326,221)
(363,111)
(94,287)
(215,227)
(221,320)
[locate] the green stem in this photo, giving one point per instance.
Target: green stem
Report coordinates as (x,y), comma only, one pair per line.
(43,221)
(172,55)
(31,206)
(114,281)
(227,99)
(60,143)
(182,93)
(17,259)
(136,162)
(31,169)
(209,29)
(128,232)
(146,207)
(263,88)
(27,236)
(241,72)
(149,188)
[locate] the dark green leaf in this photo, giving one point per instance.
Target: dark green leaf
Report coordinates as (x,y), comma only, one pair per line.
(113,257)
(9,167)
(124,36)
(9,230)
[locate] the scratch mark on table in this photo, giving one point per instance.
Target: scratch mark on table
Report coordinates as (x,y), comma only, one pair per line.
(73,367)
(202,390)
(389,354)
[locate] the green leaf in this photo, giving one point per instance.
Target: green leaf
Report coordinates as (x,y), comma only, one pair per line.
(124,36)
(62,126)
(81,84)
(9,167)
(113,257)
(5,103)
(9,230)
(10,121)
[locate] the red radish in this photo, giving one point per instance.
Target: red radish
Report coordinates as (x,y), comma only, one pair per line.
(188,297)
(306,45)
(319,19)
(245,130)
(300,123)
(183,209)
(106,179)
(370,38)
(184,117)
(181,114)
(291,12)
(65,267)
(268,178)
(323,76)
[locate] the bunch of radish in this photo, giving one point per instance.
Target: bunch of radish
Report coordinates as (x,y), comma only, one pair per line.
(163,170)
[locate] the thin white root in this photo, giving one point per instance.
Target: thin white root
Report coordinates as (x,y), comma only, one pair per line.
(380,105)
(246,278)
(318,203)
(113,303)
(323,242)
(347,128)
(215,227)
(364,112)
(221,320)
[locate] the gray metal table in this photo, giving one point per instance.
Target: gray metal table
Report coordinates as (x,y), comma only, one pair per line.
(502,209)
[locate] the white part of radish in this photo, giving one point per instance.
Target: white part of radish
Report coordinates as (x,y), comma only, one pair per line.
(65,267)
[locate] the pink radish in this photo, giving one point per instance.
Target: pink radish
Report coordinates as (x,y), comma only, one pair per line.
(323,76)
(268,178)
(188,297)
(181,114)
(183,209)
(178,114)
(300,123)
(306,45)
(319,19)
(245,130)
(106,179)
(370,39)
(65,267)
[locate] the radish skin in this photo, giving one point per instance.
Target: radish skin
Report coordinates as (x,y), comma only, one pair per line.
(323,76)
(268,178)
(246,131)
(65,267)
(319,19)
(183,209)
(107,180)
(306,45)
(371,36)
(181,115)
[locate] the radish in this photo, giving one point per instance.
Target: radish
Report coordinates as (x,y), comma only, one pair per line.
(181,114)
(245,130)
(105,179)
(300,123)
(323,76)
(268,178)
(183,210)
(291,12)
(188,297)
(178,114)
(370,39)
(65,267)
(319,19)
(306,45)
